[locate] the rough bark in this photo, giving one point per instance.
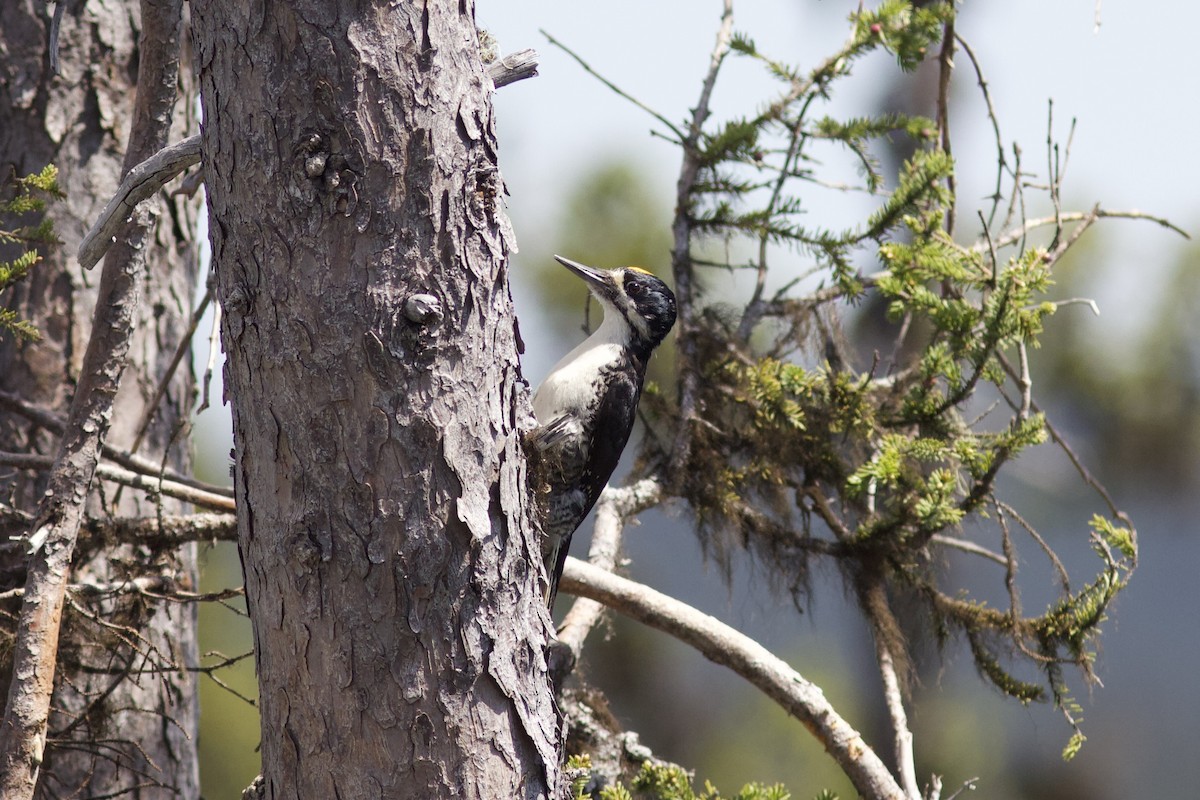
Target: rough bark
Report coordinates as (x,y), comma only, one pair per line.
(360,247)
(115,726)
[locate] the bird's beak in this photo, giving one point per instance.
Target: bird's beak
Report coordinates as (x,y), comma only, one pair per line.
(595,278)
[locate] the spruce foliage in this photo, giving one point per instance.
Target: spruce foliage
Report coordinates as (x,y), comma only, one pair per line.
(807,440)
(24,228)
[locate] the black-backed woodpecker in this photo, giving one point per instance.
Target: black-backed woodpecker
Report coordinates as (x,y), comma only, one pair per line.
(586,406)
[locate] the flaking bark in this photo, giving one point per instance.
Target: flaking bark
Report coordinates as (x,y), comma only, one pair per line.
(391,567)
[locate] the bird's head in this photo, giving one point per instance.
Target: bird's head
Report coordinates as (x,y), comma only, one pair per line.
(642,300)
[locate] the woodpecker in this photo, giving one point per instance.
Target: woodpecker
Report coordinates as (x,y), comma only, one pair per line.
(585,407)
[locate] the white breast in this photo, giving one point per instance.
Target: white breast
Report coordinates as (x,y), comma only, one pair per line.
(571,385)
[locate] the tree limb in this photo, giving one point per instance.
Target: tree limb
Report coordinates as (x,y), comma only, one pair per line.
(139,184)
(723,645)
(61,510)
(134,463)
(148,483)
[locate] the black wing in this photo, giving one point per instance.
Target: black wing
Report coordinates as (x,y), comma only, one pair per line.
(578,457)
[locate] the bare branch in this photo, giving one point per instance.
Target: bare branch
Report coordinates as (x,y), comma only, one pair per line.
(139,184)
(723,645)
(134,463)
(587,68)
(182,349)
(902,738)
(214,347)
(168,530)
(968,547)
(1001,163)
(155,586)
(1016,235)
(170,488)
(894,670)
(513,67)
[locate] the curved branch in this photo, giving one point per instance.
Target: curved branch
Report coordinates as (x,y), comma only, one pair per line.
(1014,236)
(723,645)
(139,184)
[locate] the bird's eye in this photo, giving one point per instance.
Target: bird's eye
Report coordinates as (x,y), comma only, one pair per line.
(634,288)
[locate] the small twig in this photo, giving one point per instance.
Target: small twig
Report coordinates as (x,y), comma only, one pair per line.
(1001,163)
(753,311)
(1017,200)
(214,347)
(1078,464)
(1016,235)
(967,547)
(723,645)
(183,348)
(621,92)
(1079,301)
(995,258)
(968,786)
(1010,569)
(1060,569)
(153,485)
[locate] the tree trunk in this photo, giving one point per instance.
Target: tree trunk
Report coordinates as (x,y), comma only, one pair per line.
(360,247)
(124,709)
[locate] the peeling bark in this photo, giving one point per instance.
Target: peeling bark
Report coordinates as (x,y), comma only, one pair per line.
(391,566)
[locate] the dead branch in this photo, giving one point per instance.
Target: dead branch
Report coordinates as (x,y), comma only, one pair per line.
(134,463)
(147,483)
(723,645)
(139,184)
(513,67)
